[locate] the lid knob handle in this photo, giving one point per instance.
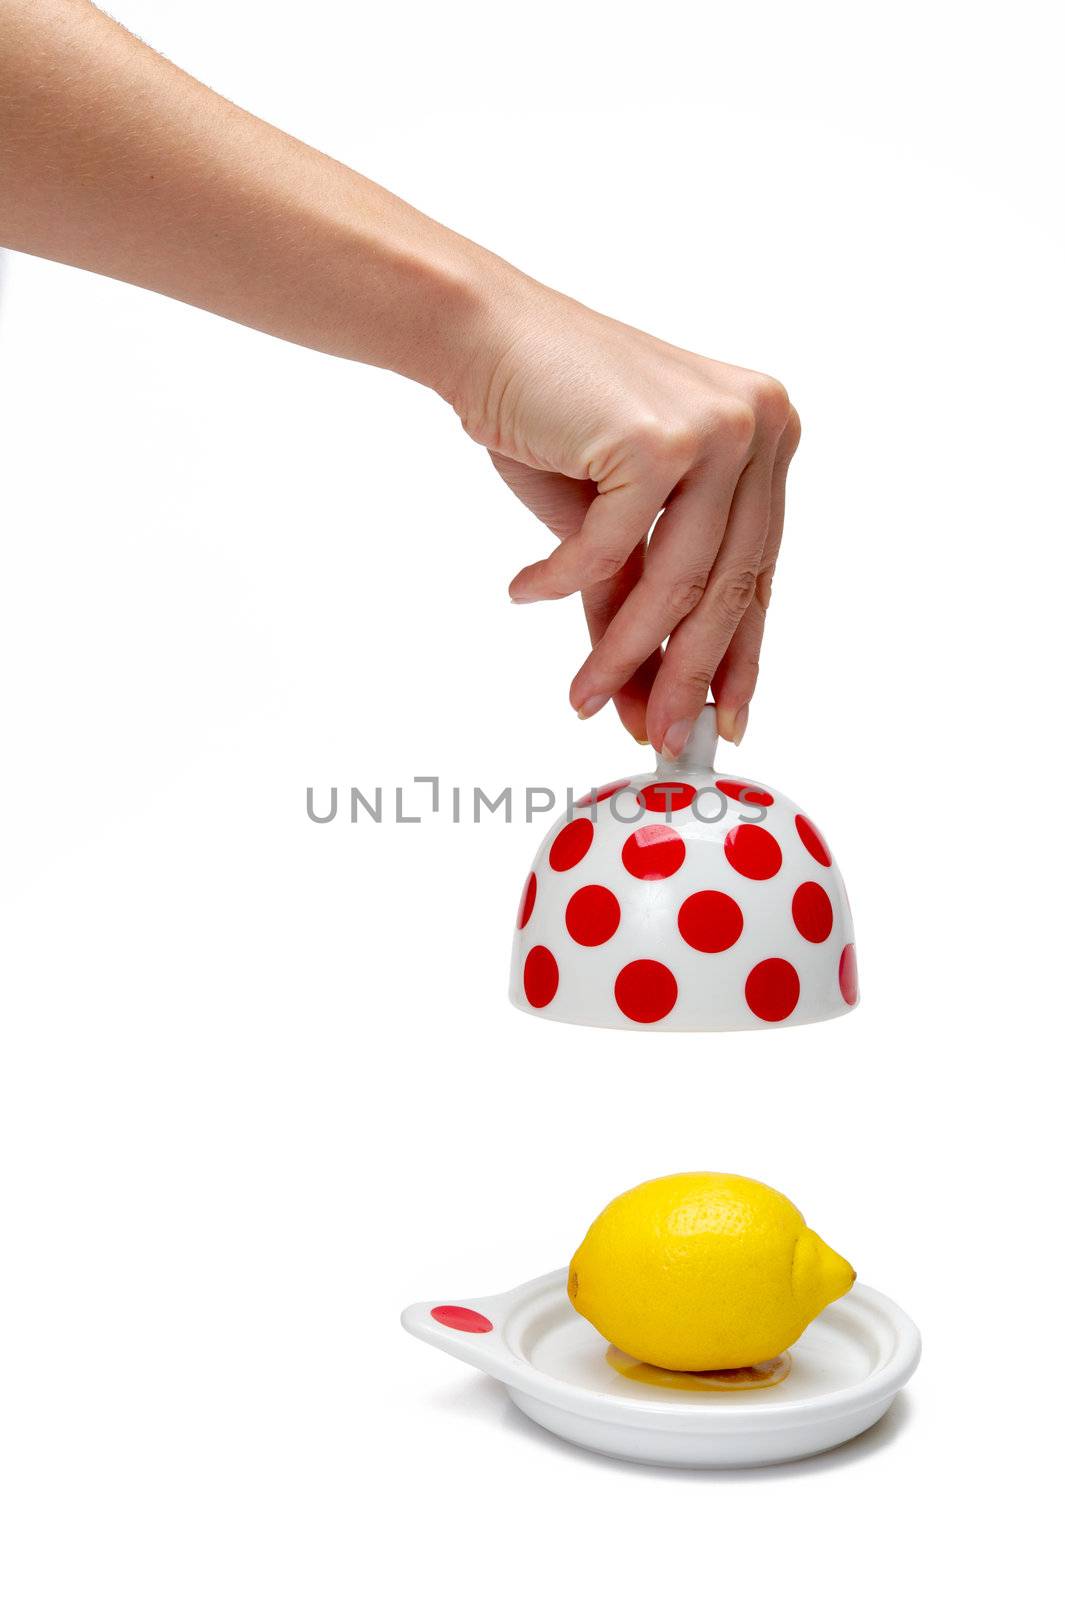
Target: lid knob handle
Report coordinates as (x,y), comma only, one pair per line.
(698,754)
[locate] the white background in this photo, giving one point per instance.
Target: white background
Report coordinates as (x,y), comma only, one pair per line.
(261,1086)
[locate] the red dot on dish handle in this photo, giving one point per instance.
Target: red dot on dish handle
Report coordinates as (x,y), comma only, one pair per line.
(572,844)
(848,975)
(710,921)
(753,851)
(461,1318)
(540,976)
(772,989)
(813,841)
(667,796)
(737,790)
(595,797)
(811,911)
(646,991)
(653,852)
(593,915)
(528,900)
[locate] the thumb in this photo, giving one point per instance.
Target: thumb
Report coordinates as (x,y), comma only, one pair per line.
(561,503)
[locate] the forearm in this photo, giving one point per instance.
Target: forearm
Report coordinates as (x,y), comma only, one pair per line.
(114,160)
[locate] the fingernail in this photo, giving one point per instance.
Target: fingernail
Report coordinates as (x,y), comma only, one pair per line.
(594,703)
(642,741)
(521,600)
(677,736)
(740,724)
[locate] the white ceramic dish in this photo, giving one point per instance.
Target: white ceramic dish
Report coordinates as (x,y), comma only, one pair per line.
(846,1369)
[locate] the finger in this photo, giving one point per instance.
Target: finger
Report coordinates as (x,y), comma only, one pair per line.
(617,521)
(683,548)
(601,604)
(562,504)
(699,642)
(734,681)
(632,699)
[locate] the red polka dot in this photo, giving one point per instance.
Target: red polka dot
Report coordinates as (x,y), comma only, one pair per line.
(772,989)
(813,840)
(653,852)
(595,796)
(462,1318)
(848,975)
(710,921)
(593,915)
(811,910)
(667,796)
(753,851)
(528,900)
(541,976)
(739,789)
(646,991)
(572,844)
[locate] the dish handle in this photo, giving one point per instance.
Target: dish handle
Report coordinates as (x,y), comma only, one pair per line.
(470,1330)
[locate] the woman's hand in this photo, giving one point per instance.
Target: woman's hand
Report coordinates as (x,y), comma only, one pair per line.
(598,428)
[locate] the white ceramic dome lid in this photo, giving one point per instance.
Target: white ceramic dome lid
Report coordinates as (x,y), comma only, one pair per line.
(685,900)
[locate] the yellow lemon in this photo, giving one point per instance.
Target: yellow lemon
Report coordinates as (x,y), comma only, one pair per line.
(703,1270)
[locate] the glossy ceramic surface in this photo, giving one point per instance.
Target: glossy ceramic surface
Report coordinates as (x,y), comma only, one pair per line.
(685,899)
(845,1371)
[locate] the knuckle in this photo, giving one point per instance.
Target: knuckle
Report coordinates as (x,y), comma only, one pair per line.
(695,678)
(736,424)
(667,443)
(772,404)
(735,592)
(763,589)
(684,596)
(601,566)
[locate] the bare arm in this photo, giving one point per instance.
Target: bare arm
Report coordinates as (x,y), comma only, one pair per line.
(117,161)
(114,160)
